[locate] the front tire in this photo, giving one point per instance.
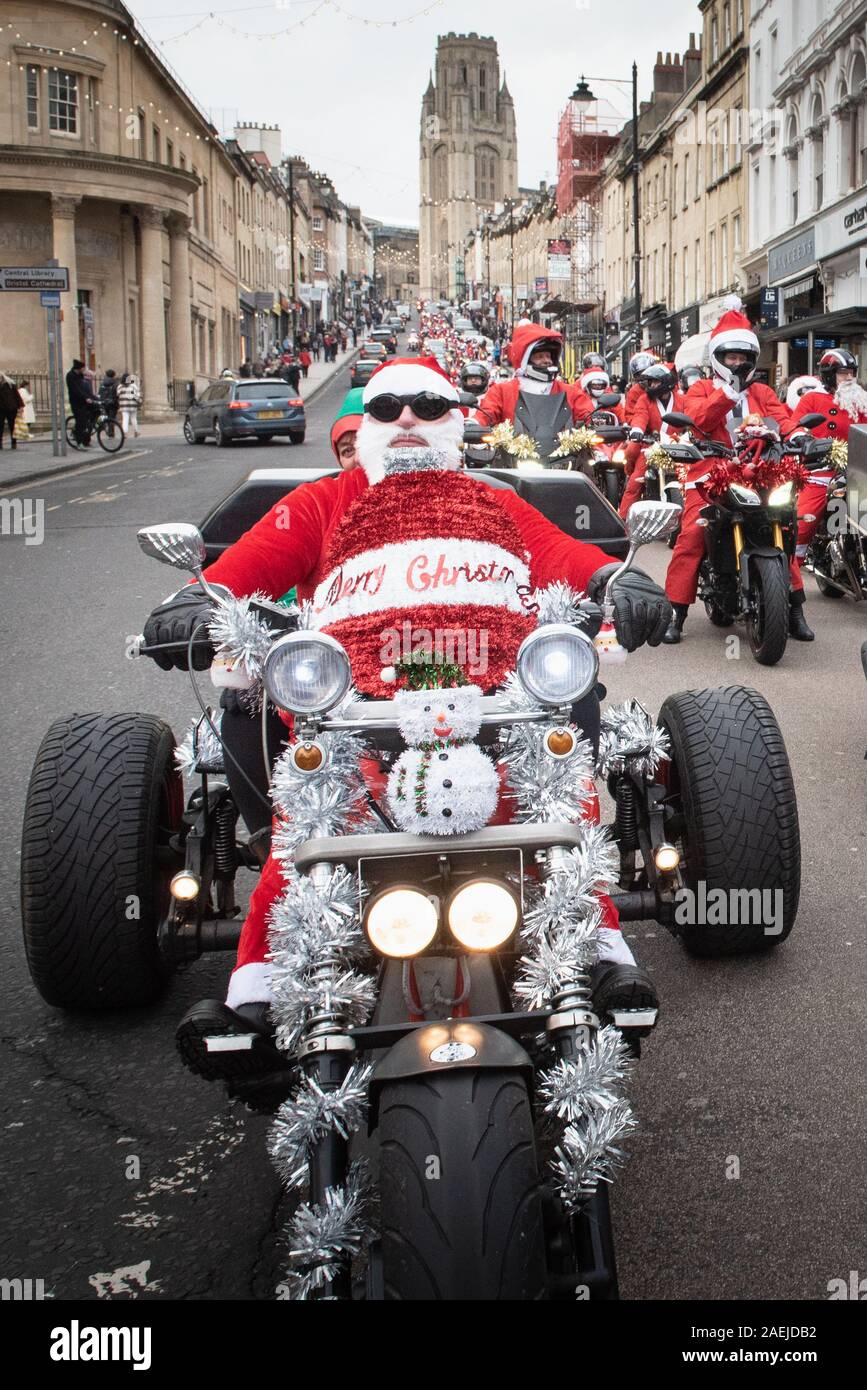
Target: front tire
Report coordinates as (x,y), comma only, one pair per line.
(768,623)
(731,785)
(103,801)
(110,436)
(460,1196)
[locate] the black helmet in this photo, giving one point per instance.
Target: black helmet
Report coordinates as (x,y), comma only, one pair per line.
(472,369)
(592,360)
(838,359)
(688,376)
(657,381)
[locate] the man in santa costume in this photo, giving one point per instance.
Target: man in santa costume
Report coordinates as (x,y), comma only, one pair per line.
(659,396)
(843,402)
(720,407)
(535,353)
(405,537)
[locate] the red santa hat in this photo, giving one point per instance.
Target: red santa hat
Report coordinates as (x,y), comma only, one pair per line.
(734,330)
(426,560)
(405,376)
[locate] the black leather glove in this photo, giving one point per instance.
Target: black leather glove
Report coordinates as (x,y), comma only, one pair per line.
(641,610)
(175,621)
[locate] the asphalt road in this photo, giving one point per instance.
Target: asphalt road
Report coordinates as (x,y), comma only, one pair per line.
(126,1176)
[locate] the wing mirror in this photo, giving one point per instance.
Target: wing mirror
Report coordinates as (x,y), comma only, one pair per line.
(179,544)
(609,400)
(809,422)
(680,422)
(651,521)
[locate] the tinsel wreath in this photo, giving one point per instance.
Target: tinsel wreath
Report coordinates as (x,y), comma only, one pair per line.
(631,742)
(840,455)
(201,746)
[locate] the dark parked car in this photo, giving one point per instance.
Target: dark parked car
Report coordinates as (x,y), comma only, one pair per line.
(361,371)
(256,409)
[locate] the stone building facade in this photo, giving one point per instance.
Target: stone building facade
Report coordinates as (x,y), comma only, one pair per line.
(108,165)
(468,158)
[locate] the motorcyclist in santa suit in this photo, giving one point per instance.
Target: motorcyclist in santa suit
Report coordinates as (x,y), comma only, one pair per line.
(535,353)
(475,377)
(659,396)
(410,406)
(720,407)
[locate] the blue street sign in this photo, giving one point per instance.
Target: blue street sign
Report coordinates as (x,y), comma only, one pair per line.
(50,299)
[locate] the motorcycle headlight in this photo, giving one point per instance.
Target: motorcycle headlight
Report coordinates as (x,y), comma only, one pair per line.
(482,915)
(557,665)
(781,496)
(744,495)
(306,673)
(619,456)
(401,922)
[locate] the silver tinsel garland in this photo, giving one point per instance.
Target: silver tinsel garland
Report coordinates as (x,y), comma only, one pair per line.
(200,745)
(588,1152)
(559,603)
(556,964)
(242,636)
(310,1115)
(328,801)
(574,1087)
(324,1236)
(546,789)
(630,741)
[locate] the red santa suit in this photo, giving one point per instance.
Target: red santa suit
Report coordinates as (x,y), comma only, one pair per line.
(813,497)
(432,548)
(717,409)
(647,415)
(500,401)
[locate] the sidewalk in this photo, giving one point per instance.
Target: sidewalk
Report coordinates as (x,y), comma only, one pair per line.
(33,460)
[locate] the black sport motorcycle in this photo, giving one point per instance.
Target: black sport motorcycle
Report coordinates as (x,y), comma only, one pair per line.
(751,529)
(837,558)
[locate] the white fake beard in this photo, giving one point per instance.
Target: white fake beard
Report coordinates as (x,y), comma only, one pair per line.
(852,398)
(443,440)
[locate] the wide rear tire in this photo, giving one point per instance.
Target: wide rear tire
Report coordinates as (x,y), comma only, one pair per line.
(104,798)
(731,783)
(460,1195)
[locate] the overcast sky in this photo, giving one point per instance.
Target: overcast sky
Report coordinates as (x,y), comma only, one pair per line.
(348,95)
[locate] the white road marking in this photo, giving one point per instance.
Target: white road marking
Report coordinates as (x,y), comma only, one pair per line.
(74,472)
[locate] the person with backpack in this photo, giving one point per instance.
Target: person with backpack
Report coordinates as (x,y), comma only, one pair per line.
(108,393)
(128,401)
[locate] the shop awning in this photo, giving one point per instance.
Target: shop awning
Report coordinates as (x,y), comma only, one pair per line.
(840,325)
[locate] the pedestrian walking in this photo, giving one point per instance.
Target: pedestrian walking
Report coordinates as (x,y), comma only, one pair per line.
(27,415)
(108,393)
(304,359)
(129,400)
(316,346)
(10,404)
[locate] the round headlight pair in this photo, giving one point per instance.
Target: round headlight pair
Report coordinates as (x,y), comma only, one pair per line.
(306,673)
(402,921)
(557,664)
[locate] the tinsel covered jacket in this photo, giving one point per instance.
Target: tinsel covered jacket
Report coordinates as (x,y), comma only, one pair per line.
(289,547)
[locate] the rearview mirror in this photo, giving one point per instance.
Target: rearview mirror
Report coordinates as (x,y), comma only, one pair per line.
(809,422)
(681,422)
(651,521)
(609,400)
(175,543)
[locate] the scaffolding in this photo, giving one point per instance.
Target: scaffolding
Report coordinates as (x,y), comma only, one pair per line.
(586,135)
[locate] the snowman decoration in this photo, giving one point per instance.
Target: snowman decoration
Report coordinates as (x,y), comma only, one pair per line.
(442,784)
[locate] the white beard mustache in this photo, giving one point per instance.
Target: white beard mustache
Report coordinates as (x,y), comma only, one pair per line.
(443,439)
(852,398)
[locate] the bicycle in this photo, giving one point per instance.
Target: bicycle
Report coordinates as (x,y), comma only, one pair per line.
(109,432)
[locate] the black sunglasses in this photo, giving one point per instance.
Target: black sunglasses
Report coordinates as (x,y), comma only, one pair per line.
(425,405)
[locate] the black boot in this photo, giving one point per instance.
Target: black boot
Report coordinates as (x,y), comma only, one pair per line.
(674,631)
(623,989)
(799,630)
(242,1046)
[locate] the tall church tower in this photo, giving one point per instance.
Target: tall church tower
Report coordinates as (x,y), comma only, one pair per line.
(468,156)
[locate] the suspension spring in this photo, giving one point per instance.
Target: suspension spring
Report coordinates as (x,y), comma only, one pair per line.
(225,857)
(626,815)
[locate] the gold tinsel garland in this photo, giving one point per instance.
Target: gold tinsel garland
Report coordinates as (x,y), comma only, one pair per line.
(574,441)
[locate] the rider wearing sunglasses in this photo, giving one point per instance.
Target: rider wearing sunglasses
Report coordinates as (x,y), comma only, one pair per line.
(423,553)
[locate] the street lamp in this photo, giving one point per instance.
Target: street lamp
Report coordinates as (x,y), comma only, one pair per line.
(583,96)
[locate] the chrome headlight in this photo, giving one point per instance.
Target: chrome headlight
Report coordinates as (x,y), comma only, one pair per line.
(306,673)
(401,922)
(557,664)
(482,915)
(744,495)
(781,496)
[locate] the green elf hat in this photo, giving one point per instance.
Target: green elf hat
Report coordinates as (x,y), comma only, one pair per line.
(350,416)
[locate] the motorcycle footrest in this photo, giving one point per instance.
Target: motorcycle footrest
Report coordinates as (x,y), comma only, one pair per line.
(230,1042)
(634,1018)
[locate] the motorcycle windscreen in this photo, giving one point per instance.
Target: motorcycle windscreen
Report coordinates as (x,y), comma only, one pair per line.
(543,417)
